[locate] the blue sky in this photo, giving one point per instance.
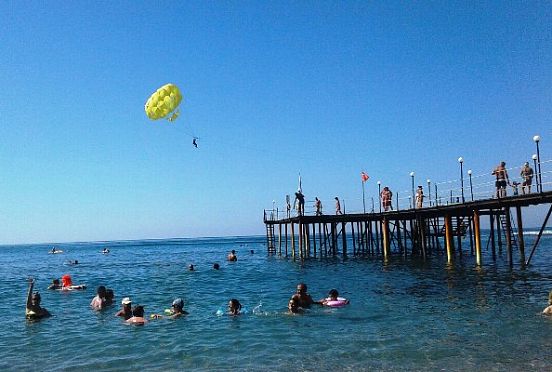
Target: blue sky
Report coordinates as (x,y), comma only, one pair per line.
(323,88)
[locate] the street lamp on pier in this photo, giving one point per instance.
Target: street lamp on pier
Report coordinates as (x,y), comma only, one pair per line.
(429,190)
(471,185)
(461,161)
(413,197)
(539,174)
(379,195)
(534,157)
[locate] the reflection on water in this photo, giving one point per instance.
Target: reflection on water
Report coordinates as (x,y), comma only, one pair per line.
(405,314)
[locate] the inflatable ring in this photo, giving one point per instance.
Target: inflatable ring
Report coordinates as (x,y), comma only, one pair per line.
(340,302)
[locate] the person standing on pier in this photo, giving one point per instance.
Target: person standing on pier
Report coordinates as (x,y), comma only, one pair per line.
(386,196)
(337,206)
(502,180)
(300,202)
(527,175)
(419,197)
(318,206)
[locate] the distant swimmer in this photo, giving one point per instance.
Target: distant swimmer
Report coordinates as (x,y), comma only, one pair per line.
(232,256)
(234,307)
(126,311)
(216,266)
(191,267)
(33,310)
(55,251)
(109,296)
(548,310)
(98,302)
(105,251)
(194,142)
(137,316)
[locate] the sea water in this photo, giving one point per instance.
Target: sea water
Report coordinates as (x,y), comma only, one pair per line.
(406,314)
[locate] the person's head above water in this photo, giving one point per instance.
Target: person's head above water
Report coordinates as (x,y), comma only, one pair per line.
(333,294)
(101,291)
(35,299)
(234,306)
(178,304)
(138,311)
(191,267)
(216,266)
(301,288)
(293,304)
(126,302)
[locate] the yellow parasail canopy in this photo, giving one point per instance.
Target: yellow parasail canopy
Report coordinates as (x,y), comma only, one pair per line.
(164,103)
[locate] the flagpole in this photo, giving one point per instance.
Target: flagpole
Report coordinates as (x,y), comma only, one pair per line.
(363,199)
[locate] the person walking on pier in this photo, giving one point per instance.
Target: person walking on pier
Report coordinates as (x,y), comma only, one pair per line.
(502,180)
(386,196)
(419,197)
(318,206)
(527,175)
(300,202)
(337,206)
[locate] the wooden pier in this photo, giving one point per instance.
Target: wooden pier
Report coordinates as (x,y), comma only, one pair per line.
(454,230)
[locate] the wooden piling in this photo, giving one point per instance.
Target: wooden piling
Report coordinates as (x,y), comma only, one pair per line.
(477,236)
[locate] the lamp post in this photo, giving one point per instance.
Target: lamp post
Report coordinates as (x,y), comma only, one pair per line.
(471,185)
(539,175)
(412,176)
(534,157)
(273,209)
(461,161)
(429,190)
(436,197)
(379,195)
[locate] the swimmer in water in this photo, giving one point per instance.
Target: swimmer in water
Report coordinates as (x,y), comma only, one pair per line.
(191,267)
(305,299)
(98,302)
(232,256)
(234,307)
(33,310)
(293,305)
(109,296)
(176,311)
(126,311)
(137,316)
(333,295)
(216,266)
(56,285)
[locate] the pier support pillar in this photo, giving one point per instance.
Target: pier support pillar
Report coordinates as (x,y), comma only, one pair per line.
(344,239)
(448,238)
(386,242)
(477,236)
(521,242)
(292,240)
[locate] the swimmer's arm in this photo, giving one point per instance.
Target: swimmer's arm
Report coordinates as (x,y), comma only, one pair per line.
(548,310)
(29,293)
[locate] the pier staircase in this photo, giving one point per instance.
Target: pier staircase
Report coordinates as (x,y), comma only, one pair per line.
(504,229)
(270,239)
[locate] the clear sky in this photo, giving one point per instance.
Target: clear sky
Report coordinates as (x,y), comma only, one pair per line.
(272,88)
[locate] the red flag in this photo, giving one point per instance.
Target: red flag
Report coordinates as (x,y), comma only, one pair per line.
(364,176)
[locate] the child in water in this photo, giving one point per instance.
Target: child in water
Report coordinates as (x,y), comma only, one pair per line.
(234,307)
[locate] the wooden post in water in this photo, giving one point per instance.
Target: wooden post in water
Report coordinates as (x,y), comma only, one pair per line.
(286,233)
(280,239)
(385,234)
(314,238)
(520,234)
(459,235)
(492,236)
(509,235)
(353,238)
(448,236)
(293,240)
(477,233)
(344,239)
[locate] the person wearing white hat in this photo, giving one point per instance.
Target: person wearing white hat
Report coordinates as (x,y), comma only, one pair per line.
(126,311)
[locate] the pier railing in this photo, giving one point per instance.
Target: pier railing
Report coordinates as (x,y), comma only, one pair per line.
(476,187)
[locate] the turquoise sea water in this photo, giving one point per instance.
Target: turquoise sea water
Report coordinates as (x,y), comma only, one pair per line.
(404,315)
